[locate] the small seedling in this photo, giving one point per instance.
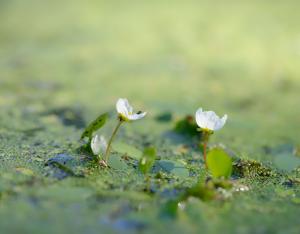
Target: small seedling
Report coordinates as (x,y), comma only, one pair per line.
(146,163)
(98,144)
(208,122)
(125,114)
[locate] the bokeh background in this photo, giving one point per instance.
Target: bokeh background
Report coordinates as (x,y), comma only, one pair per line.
(236,57)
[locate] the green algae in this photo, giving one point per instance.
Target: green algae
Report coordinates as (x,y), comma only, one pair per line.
(62,64)
(252,169)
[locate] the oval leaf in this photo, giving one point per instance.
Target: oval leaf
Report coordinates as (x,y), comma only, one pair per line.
(117,163)
(94,126)
(124,148)
(286,162)
(176,168)
(219,163)
(148,159)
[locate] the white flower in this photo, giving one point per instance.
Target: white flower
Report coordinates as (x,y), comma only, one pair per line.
(126,111)
(208,120)
(98,145)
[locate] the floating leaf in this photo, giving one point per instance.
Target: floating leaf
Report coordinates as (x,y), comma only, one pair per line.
(117,163)
(64,159)
(129,150)
(61,166)
(148,159)
(286,162)
(176,168)
(60,171)
(219,163)
(287,148)
(285,156)
(94,126)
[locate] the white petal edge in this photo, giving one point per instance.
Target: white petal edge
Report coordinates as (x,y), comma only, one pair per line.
(137,116)
(209,120)
(95,145)
(200,120)
(221,123)
(103,144)
(123,107)
(98,145)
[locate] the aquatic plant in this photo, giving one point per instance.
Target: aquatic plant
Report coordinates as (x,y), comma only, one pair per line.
(208,122)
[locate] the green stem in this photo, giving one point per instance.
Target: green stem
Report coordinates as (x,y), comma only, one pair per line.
(148,183)
(204,153)
(205,138)
(111,139)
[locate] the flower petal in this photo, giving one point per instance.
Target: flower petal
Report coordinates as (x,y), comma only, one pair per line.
(137,116)
(201,119)
(212,120)
(95,145)
(221,123)
(98,145)
(123,107)
(209,120)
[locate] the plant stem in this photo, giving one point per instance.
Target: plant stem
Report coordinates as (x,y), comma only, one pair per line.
(204,153)
(205,138)
(148,183)
(111,139)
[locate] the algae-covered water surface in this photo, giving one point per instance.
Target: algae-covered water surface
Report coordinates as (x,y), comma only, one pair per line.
(64,63)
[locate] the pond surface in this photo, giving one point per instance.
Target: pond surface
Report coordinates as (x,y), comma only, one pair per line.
(64,63)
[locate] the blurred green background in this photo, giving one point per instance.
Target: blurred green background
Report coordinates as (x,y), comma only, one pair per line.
(236,57)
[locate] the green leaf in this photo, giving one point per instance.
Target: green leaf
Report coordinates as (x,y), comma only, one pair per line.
(117,163)
(148,159)
(286,162)
(219,163)
(287,148)
(285,157)
(94,126)
(176,168)
(129,150)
